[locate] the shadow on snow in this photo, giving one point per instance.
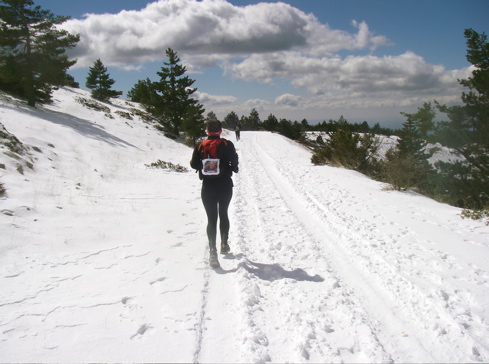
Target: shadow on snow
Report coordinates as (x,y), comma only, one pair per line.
(269,272)
(81,126)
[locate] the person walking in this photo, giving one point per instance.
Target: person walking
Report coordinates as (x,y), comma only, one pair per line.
(216,159)
(237,130)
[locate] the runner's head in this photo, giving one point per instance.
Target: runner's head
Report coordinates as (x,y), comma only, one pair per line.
(214,127)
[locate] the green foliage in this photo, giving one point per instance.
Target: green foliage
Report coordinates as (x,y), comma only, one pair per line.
(407,166)
(142,92)
(70,81)
(252,122)
(3,191)
(170,100)
(194,123)
(146,117)
(400,170)
(92,104)
(476,214)
(99,81)
(333,125)
(32,50)
(467,131)
(124,115)
(460,184)
(167,165)
(211,116)
(464,183)
(422,121)
(271,123)
(290,130)
(349,150)
(173,94)
(230,120)
(12,143)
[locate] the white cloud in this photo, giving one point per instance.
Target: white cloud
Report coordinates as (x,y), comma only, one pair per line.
(214,100)
(207,27)
(289,100)
(407,72)
(258,104)
(266,42)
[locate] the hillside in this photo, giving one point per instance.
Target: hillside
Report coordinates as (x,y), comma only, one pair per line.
(105,260)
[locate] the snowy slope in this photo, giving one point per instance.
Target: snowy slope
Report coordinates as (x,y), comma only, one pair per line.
(105,260)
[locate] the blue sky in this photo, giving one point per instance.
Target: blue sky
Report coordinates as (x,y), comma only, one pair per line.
(313,59)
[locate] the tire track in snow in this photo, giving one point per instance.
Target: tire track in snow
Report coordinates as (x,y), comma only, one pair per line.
(285,310)
(382,284)
(218,327)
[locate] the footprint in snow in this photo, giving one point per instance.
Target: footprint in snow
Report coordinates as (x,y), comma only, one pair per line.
(141,331)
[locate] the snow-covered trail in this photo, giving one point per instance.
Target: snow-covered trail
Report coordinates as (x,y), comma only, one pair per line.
(330,268)
(105,260)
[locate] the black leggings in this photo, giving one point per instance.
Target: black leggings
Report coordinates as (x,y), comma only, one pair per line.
(216,202)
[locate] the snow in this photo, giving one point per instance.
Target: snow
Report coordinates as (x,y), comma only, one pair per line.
(105,260)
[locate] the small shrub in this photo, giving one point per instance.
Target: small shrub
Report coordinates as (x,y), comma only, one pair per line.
(11,142)
(92,104)
(146,117)
(3,191)
(124,115)
(476,214)
(399,170)
(349,150)
(167,165)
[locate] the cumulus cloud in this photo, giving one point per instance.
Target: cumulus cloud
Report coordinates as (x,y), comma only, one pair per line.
(407,72)
(258,104)
(207,27)
(263,43)
(214,100)
(289,100)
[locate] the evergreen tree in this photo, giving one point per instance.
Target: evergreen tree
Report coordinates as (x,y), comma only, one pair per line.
(467,131)
(211,116)
(284,127)
(254,120)
(194,123)
(350,150)
(271,123)
(231,120)
(32,50)
(415,132)
(99,81)
(173,101)
(407,165)
(70,81)
(142,92)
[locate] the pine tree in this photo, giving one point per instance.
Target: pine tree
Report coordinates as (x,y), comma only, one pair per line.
(407,165)
(194,123)
(32,50)
(172,101)
(271,123)
(99,81)
(143,93)
(254,120)
(230,120)
(467,131)
(211,115)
